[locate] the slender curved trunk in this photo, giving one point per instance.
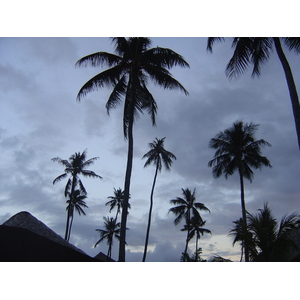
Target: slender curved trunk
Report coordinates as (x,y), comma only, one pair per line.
(291,86)
(109,251)
(244,215)
(150,214)
(71,223)
(67,233)
(67,226)
(126,193)
(188,233)
(197,246)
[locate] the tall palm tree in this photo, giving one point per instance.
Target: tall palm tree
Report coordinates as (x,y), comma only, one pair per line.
(237,150)
(158,156)
(129,69)
(116,201)
(270,240)
(197,230)
(111,230)
(256,50)
(75,166)
(187,208)
(76,202)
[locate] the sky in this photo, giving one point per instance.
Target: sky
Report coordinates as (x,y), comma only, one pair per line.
(41,119)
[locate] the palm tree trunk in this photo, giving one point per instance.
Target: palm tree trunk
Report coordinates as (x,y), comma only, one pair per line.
(67,226)
(67,234)
(109,251)
(70,228)
(196,247)
(188,233)
(244,215)
(150,214)
(126,193)
(291,86)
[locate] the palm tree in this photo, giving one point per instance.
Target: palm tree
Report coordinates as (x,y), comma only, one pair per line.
(196,229)
(129,70)
(237,150)
(75,166)
(116,201)
(238,233)
(270,240)
(77,202)
(187,208)
(158,156)
(256,50)
(111,230)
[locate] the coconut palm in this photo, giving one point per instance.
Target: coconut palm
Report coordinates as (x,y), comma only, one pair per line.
(239,235)
(257,50)
(186,209)
(237,150)
(270,240)
(76,202)
(111,230)
(197,230)
(75,166)
(129,69)
(116,201)
(158,156)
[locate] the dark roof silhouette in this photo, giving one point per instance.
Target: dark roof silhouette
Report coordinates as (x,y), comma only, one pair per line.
(102,257)
(25,238)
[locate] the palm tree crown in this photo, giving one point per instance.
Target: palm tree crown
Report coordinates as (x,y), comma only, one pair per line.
(158,155)
(116,201)
(187,207)
(75,166)
(129,70)
(76,202)
(237,149)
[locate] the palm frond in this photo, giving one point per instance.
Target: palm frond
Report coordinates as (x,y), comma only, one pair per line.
(293,43)
(211,41)
(108,77)
(99,59)
(241,57)
(60,177)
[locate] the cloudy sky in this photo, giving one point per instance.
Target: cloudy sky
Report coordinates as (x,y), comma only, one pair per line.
(41,119)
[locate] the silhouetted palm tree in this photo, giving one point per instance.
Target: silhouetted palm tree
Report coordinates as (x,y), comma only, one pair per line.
(240,234)
(129,70)
(187,208)
(116,201)
(237,150)
(158,156)
(75,166)
(111,230)
(256,50)
(270,240)
(77,202)
(196,229)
